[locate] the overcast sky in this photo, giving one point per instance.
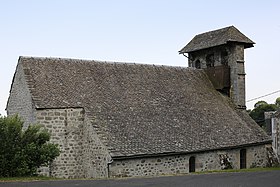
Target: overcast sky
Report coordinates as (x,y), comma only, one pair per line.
(140,31)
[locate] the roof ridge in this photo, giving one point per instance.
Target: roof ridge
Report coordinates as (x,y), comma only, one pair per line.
(212,31)
(105,62)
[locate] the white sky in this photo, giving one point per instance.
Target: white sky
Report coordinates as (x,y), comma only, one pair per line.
(140,31)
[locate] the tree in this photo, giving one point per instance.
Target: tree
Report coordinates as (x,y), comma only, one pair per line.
(259,103)
(259,109)
(22,152)
(277,102)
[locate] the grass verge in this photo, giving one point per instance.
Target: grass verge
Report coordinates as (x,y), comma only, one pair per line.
(43,178)
(36,178)
(240,170)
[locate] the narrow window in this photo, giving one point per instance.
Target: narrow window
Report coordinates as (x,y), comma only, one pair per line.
(242,158)
(192,164)
(197,64)
(210,60)
(224,58)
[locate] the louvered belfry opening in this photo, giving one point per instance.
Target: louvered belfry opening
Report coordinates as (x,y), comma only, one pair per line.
(220,78)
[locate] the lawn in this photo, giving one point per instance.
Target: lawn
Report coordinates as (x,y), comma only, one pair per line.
(36,178)
(241,170)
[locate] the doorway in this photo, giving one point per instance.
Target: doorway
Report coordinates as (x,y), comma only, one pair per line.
(192,164)
(242,158)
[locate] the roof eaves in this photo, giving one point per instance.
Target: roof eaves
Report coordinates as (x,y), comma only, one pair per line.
(123,157)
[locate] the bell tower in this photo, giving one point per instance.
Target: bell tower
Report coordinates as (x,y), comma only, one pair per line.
(221,54)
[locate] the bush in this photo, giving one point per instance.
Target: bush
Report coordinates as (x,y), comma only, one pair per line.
(23,152)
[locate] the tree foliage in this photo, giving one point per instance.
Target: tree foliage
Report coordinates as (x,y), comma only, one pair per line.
(277,102)
(260,108)
(259,103)
(22,152)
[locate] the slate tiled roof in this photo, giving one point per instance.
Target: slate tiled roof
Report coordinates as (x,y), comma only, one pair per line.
(142,109)
(216,38)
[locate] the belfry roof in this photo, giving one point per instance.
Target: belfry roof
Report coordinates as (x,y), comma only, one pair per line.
(216,38)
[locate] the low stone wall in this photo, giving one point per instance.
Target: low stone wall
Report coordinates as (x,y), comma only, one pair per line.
(168,165)
(149,166)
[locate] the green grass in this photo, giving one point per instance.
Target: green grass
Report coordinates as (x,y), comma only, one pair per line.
(36,178)
(240,170)
(43,178)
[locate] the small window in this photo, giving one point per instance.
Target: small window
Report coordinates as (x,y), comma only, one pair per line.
(242,158)
(197,64)
(210,62)
(224,58)
(192,164)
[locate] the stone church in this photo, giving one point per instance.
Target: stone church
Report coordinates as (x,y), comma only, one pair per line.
(123,119)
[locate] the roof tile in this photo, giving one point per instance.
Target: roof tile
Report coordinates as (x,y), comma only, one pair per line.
(142,109)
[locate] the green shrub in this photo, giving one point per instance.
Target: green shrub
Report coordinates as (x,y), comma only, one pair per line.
(22,152)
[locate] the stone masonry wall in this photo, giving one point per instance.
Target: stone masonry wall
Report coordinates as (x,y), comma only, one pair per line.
(237,75)
(272,124)
(277,134)
(82,153)
(95,155)
(201,56)
(20,101)
(66,128)
(166,165)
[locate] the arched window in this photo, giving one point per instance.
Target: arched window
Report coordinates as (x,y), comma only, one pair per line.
(197,64)
(242,158)
(192,164)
